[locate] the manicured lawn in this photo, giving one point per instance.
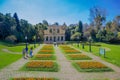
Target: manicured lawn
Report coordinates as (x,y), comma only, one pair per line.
(112,52)
(16,47)
(19,48)
(7,58)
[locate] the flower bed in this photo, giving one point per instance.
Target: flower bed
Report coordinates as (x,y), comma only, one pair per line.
(41,66)
(68,50)
(65,47)
(44,57)
(91,66)
(47,49)
(78,57)
(31,78)
(71,51)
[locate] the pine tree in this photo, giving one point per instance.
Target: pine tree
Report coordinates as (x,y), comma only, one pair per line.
(17,22)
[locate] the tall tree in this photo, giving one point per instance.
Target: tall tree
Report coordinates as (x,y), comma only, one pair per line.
(97,17)
(116,22)
(80,25)
(79,29)
(18,28)
(108,26)
(17,21)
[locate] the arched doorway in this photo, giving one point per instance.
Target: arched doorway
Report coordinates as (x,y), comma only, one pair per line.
(54,39)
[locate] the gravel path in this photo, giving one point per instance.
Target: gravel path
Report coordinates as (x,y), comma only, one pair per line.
(8,51)
(66,72)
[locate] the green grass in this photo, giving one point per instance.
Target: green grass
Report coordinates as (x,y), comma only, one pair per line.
(19,48)
(112,56)
(7,58)
(91,69)
(15,47)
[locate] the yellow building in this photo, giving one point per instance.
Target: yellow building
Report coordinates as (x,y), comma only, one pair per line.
(54,33)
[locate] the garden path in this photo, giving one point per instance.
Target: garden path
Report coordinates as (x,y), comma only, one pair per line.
(66,72)
(8,51)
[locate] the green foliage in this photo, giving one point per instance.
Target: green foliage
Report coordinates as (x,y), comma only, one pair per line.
(118,35)
(109,36)
(97,17)
(20,28)
(76,36)
(11,39)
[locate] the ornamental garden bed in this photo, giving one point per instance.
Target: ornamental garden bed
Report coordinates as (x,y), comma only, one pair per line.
(47,49)
(31,78)
(44,57)
(40,66)
(46,52)
(78,57)
(65,47)
(71,51)
(68,50)
(91,66)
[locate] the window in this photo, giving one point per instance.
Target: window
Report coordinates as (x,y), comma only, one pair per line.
(54,39)
(50,38)
(47,38)
(61,38)
(58,30)
(58,38)
(50,31)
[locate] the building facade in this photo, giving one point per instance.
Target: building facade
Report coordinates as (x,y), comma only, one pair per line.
(54,33)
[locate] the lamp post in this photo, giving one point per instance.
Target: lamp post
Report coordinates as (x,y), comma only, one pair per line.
(38,39)
(26,40)
(82,44)
(90,44)
(78,41)
(34,41)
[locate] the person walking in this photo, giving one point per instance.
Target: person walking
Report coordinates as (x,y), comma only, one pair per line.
(24,53)
(31,52)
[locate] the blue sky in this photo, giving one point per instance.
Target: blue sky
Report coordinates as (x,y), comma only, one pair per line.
(69,11)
